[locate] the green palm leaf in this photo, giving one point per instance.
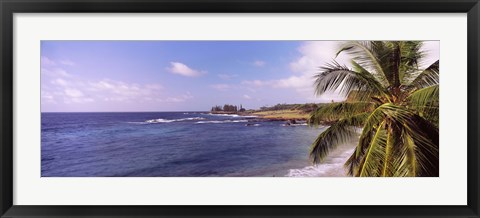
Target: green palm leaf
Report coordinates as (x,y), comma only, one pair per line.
(423,135)
(425,96)
(396,103)
(334,111)
(426,102)
(372,122)
(338,133)
(365,53)
(425,78)
(375,154)
(335,77)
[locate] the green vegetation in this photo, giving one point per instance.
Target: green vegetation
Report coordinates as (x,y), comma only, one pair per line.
(292,114)
(307,108)
(394,102)
(276,112)
(227,108)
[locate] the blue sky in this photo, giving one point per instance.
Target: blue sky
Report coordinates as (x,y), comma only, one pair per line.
(85,76)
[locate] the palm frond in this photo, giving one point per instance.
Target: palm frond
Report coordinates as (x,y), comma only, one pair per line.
(372,122)
(376,82)
(420,140)
(375,154)
(425,96)
(334,111)
(425,78)
(366,54)
(424,137)
(426,102)
(423,134)
(338,133)
(411,57)
(335,77)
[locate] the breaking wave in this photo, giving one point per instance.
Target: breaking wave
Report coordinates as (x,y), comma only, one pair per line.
(174,120)
(231,115)
(298,124)
(332,167)
(222,121)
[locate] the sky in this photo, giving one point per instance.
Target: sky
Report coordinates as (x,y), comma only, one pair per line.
(117,76)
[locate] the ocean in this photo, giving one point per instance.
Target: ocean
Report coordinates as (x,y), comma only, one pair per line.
(179,144)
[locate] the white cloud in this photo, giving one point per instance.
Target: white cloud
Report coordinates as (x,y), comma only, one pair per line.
(221,87)
(71,95)
(45,61)
(60,82)
(55,72)
(67,62)
(247,97)
(74,93)
(121,91)
(313,54)
(47,97)
(79,100)
(290,82)
(294,82)
(184,70)
(259,63)
(106,90)
(103,85)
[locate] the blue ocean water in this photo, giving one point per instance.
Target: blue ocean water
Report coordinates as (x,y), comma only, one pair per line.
(170,144)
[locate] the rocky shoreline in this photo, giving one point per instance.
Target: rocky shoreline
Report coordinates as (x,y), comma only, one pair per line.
(261,116)
(254,117)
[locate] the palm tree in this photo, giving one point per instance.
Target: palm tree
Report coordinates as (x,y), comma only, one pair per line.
(394,102)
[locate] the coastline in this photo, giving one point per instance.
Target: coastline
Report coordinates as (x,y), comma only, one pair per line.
(271,115)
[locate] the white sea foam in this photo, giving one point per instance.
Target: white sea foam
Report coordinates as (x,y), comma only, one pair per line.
(159,121)
(138,123)
(250,116)
(298,124)
(332,166)
(232,115)
(222,121)
(174,120)
(192,118)
(225,115)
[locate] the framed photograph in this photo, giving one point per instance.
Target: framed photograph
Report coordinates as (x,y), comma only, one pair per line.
(239,109)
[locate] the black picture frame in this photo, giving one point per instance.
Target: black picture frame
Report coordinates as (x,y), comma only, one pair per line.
(9,7)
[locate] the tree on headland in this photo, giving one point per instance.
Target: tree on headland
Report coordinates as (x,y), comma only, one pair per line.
(216,108)
(226,108)
(394,102)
